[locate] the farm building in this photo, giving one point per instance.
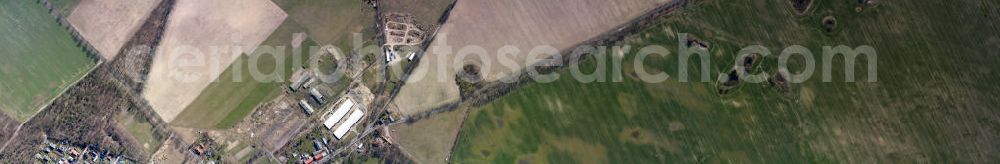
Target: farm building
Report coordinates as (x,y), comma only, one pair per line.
(410,57)
(338,114)
(297,82)
(390,55)
(305,106)
(316,95)
(308,82)
(346,126)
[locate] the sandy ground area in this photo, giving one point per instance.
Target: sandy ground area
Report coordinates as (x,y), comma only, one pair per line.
(524,24)
(108,24)
(169,153)
(202,39)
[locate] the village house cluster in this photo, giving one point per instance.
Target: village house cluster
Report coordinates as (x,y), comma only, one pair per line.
(65,153)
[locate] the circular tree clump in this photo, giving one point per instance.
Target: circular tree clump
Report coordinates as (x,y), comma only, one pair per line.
(801,6)
(780,82)
(829,24)
(470,73)
(468,80)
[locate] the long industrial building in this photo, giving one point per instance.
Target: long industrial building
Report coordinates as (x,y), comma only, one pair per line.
(316,95)
(346,126)
(305,106)
(338,114)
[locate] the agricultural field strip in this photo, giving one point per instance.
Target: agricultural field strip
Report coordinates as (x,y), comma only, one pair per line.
(383,102)
(212,28)
(4,146)
(108,24)
(662,10)
(490,91)
(436,89)
(51,65)
(106,75)
(49,102)
(755,129)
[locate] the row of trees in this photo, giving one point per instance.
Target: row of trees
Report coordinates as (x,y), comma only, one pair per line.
(84,45)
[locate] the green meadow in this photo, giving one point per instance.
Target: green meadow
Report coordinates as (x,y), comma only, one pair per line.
(40,58)
(932,102)
(225,102)
(235,93)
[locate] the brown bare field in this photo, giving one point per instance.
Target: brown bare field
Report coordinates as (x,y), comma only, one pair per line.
(523,24)
(108,24)
(196,47)
(430,140)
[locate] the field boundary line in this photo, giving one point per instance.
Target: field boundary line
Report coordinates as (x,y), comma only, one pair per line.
(60,19)
(88,49)
(85,75)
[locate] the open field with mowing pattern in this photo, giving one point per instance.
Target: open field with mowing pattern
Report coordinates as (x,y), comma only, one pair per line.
(40,58)
(491,25)
(218,107)
(429,140)
(932,103)
(202,39)
(235,94)
(332,22)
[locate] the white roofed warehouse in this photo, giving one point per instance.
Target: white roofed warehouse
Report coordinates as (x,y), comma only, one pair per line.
(346,126)
(338,114)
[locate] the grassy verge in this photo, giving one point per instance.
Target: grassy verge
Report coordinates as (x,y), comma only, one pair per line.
(64,6)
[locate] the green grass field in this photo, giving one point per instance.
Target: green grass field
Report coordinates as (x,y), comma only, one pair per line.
(142,131)
(40,58)
(226,102)
(236,93)
(429,140)
(932,102)
(331,22)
